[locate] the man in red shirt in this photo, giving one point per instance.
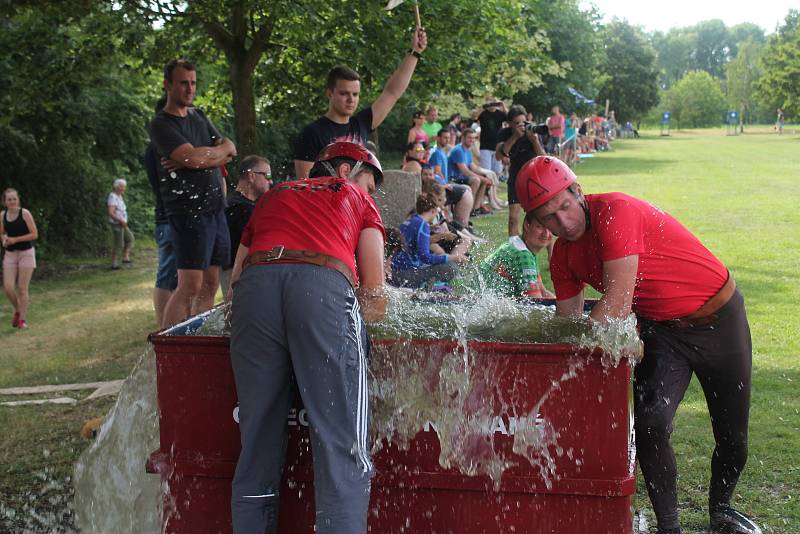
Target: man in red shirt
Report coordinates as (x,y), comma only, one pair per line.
(691,318)
(310,260)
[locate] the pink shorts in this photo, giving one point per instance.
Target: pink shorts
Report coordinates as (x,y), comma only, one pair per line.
(20,258)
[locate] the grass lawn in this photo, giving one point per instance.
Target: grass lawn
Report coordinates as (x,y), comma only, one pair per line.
(738,194)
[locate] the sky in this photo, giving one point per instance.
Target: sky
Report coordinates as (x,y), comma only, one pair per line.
(662,15)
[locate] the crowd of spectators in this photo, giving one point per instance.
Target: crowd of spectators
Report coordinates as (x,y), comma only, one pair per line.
(460,165)
(460,161)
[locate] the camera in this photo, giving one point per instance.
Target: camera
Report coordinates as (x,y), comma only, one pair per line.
(540,129)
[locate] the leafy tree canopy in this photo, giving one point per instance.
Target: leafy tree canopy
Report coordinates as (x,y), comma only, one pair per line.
(780,62)
(696,101)
(629,64)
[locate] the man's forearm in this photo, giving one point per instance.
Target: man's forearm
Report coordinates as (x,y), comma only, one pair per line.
(208,157)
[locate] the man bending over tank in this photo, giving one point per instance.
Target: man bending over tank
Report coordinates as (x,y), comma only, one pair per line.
(691,317)
(310,260)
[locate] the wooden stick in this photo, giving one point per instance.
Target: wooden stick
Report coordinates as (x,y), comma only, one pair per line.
(416,12)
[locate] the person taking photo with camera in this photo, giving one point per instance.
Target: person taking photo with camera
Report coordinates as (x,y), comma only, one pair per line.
(517,144)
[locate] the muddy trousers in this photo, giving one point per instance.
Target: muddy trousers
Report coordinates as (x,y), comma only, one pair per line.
(300,320)
(720,355)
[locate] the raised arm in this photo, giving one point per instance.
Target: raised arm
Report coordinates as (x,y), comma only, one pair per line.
(398,82)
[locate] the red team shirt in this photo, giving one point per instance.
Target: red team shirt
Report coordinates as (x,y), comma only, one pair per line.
(323,215)
(676,274)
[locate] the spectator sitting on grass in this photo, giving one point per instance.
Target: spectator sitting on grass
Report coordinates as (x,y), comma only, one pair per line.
(458,198)
(394,244)
(512,269)
(415,266)
(444,234)
(464,171)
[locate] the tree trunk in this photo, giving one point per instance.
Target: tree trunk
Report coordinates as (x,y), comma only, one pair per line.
(244,109)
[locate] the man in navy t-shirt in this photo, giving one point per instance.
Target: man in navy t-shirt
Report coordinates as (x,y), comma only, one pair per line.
(339,123)
(192,151)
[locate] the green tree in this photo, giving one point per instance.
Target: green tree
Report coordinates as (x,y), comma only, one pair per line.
(741,74)
(575,45)
(278,53)
(631,77)
(741,33)
(712,47)
(675,51)
(73,117)
(696,101)
(780,64)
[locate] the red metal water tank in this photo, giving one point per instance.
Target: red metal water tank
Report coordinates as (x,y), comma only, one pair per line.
(591,493)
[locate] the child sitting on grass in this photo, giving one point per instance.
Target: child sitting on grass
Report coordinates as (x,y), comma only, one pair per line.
(415,265)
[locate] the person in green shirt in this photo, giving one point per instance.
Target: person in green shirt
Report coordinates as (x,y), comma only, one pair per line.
(512,270)
(431,125)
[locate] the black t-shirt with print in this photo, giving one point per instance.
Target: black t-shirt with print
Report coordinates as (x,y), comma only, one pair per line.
(323,131)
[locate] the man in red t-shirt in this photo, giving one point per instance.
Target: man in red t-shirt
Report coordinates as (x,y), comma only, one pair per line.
(310,260)
(691,318)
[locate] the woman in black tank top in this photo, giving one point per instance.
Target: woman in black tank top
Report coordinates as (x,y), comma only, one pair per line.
(18,232)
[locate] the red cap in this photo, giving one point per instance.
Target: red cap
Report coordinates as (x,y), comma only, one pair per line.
(541,179)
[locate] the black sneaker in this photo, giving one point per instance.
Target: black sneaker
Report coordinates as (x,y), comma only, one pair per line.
(726,520)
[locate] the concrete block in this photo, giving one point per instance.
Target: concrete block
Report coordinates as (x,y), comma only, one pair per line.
(397,196)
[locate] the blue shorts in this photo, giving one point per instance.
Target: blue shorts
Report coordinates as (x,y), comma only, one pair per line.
(167,275)
(200,240)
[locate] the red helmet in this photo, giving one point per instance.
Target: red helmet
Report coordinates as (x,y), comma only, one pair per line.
(354,151)
(541,179)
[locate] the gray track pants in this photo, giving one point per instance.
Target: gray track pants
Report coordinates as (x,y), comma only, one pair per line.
(304,320)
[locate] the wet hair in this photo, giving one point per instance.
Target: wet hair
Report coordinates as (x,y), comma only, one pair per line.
(515,111)
(341,72)
(170,67)
(7,191)
(249,162)
(424,203)
(395,242)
